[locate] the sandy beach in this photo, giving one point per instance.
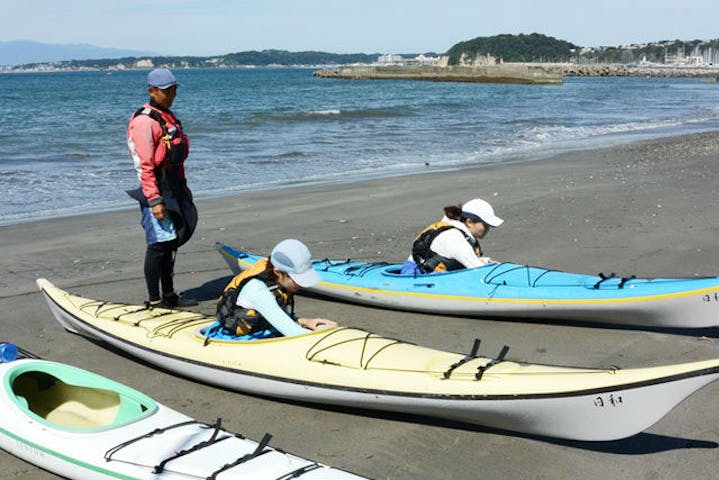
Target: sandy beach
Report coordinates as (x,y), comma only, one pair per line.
(646,209)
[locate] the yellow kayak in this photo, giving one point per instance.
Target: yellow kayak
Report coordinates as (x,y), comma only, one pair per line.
(352,367)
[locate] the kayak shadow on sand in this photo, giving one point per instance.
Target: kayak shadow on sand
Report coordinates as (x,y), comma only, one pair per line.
(210,290)
(642,443)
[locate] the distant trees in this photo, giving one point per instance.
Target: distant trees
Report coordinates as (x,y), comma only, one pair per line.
(534,47)
(256,58)
(541,48)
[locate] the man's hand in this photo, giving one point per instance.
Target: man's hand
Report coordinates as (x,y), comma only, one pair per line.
(159,211)
(315,323)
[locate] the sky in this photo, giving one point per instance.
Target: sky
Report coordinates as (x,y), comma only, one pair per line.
(215,27)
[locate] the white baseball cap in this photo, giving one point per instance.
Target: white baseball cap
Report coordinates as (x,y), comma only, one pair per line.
(478,209)
(293,257)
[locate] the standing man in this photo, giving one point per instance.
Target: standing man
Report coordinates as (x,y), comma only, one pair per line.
(158,148)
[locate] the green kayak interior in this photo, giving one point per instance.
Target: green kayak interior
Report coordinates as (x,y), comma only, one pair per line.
(70,398)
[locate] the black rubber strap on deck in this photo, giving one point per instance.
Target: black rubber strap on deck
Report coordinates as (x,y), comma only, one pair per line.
(300,471)
(141,309)
(157,431)
(603,278)
(472,355)
(491,363)
(160,467)
(258,451)
(625,280)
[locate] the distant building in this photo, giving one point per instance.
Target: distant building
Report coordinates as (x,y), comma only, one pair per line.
(146,63)
(699,57)
(392,59)
(422,59)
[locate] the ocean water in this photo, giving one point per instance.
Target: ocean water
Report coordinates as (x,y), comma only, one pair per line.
(63,151)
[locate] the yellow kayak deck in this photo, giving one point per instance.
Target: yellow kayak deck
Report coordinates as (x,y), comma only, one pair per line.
(350,358)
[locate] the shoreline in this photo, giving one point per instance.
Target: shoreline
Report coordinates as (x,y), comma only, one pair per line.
(644,208)
(512,157)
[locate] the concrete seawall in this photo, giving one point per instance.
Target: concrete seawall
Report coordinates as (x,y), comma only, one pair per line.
(528,73)
(508,73)
(618,70)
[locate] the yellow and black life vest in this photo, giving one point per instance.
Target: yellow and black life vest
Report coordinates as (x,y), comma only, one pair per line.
(236,320)
(429,261)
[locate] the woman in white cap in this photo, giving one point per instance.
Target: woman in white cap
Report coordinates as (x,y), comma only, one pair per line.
(453,242)
(262,298)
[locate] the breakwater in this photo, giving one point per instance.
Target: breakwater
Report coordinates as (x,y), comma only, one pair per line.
(529,73)
(507,73)
(620,70)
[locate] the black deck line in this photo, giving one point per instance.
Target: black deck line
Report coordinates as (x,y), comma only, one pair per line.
(390,393)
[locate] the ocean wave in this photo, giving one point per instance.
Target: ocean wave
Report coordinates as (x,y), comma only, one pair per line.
(260,136)
(330,114)
(542,135)
(275,159)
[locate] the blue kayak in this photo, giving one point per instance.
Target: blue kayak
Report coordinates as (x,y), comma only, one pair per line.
(511,290)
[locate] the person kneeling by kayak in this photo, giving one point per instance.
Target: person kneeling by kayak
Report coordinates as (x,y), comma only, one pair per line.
(453,242)
(262,297)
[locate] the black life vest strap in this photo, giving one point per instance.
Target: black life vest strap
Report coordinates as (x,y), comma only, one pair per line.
(155,115)
(426,259)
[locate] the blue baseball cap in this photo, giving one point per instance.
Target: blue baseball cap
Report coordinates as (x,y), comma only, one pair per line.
(293,257)
(161,78)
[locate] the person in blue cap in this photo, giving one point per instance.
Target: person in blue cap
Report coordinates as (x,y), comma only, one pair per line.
(262,297)
(158,148)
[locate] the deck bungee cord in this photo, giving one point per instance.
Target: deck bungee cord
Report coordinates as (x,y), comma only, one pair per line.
(310,355)
(174,325)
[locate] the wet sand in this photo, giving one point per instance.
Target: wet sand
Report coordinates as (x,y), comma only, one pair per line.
(647,209)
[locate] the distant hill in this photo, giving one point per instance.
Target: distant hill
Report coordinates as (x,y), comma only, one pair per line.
(283,57)
(656,52)
(238,59)
(534,47)
(19,52)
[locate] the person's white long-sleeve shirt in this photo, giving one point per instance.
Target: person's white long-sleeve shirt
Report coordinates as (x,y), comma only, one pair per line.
(453,244)
(256,296)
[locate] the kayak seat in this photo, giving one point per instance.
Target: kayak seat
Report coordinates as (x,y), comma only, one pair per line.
(215,332)
(72,406)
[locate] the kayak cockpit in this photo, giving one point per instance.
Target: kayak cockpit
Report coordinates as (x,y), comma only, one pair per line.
(67,398)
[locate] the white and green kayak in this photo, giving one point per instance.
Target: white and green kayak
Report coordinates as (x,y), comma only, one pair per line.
(83,426)
(355,368)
